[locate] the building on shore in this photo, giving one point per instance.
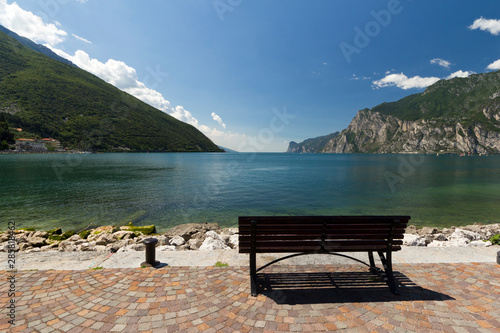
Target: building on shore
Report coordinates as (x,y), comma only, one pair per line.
(38,145)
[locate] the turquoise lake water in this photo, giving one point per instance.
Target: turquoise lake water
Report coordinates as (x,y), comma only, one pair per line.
(74,190)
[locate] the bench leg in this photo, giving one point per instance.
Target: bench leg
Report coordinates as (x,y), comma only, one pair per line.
(253,274)
(373,268)
(387,263)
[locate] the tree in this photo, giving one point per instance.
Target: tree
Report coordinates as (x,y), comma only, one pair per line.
(5,133)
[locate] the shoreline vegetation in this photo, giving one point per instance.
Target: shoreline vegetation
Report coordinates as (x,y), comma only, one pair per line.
(209,237)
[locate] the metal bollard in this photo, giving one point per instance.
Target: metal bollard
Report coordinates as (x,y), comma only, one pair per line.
(150,244)
(498,257)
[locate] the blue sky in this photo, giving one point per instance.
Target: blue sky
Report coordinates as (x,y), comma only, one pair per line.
(254,74)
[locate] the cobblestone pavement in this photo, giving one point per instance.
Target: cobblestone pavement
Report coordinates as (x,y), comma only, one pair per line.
(434,298)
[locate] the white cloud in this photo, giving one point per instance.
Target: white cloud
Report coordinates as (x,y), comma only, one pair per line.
(356,78)
(404,82)
(460,73)
(492,26)
(441,62)
(218,119)
(494,66)
(29,25)
(124,77)
(82,39)
(184,115)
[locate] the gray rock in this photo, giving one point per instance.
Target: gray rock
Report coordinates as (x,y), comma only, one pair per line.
(115,247)
(166,248)
(195,243)
(87,247)
(427,231)
(105,239)
(440,237)
(37,241)
(411,230)
(66,246)
(461,233)
(137,247)
(437,243)
(25,246)
(50,247)
(125,234)
(486,231)
(34,249)
(42,234)
(177,241)
(163,240)
(74,238)
(191,230)
(233,241)
(100,248)
(21,239)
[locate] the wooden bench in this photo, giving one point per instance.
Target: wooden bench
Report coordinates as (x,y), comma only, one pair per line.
(302,235)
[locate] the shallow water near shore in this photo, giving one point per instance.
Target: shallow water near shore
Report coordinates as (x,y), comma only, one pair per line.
(72,191)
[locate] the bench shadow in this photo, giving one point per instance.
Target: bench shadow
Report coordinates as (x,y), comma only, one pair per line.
(340,287)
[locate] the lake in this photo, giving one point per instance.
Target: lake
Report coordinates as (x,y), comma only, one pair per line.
(73,191)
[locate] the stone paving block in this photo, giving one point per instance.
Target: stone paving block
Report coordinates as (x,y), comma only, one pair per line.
(454,297)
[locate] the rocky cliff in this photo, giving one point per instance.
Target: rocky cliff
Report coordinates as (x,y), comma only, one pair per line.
(310,145)
(373,132)
(460,115)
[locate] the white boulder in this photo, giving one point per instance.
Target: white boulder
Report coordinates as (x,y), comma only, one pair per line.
(213,242)
(413,240)
(166,248)
(177,241)
(480,243)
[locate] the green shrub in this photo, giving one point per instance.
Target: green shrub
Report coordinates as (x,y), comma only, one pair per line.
(68,234)
(61,237)
(57,231)
(495,240)
(145,230)
(221,264)
(84,234)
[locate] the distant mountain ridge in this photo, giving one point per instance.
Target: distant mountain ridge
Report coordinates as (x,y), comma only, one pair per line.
(35,47)
(461,115)
(52,99)
(310,145)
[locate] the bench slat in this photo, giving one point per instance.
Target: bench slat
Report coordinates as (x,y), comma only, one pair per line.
(290,230)
(329,218)
(315,249)
(316,226)
(260,238)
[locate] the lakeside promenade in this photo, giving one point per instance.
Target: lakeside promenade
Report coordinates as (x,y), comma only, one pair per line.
(435,297)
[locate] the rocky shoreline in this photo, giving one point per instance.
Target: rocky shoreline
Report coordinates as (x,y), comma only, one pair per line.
(209,237)
(471,235)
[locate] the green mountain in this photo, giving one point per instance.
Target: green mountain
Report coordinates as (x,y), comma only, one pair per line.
(34,46)
(460,115)
(52,99)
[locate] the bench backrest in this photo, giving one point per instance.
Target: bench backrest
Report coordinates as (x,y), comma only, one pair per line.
(319,234)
